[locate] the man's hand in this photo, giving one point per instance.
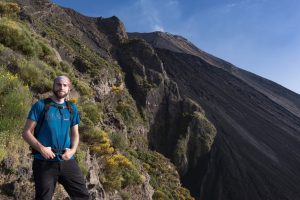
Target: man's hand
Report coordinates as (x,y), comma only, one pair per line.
(68,154)
(47,153)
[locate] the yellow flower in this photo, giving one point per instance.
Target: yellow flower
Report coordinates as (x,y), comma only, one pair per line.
(73,100)
(117,89)
(119,160)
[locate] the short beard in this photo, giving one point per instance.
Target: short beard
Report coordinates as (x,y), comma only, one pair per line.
(60,96)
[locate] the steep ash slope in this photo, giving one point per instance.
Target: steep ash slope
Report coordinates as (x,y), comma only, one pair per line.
(256,152)
(178,44)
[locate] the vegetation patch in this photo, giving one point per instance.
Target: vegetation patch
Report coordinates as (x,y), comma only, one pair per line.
(92,111)
(36,74)
(207,132)
(164,177)
(14,102)
(9,9)
(84,88)
(18,37)
(86,59)
(118,140)
(126,110)
(81,158)
(118,171)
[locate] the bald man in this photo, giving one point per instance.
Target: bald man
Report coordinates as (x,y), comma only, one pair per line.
(54,122)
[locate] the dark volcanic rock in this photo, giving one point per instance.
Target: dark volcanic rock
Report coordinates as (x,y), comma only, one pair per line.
(178,126)
(256,151)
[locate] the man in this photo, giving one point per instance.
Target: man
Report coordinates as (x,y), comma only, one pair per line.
(55,144)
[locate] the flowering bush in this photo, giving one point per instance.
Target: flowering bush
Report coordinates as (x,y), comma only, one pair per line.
(9,9)
(14,102)
(164,177)
(16,36)
(120,172)
(117,89)
(102,145)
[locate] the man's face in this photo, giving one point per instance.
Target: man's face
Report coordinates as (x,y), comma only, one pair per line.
(61,88)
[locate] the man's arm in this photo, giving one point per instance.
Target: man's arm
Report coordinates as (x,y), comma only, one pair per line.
(33,142)
(74,135)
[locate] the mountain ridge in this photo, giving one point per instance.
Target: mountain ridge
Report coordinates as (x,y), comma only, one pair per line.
(155,37)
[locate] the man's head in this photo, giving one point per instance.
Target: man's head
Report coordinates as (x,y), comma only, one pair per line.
(61,87)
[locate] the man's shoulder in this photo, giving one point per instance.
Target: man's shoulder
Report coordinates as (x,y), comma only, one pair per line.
(42,102)
(70,102)
(36,110)
(72,105)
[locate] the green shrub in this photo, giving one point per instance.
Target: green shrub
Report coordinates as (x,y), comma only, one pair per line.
(159,195)
(47,54)
(86,123)
(89,133)
(118,89)
(65,67)
(35,75)
(126,110)
(120,172)
(102,145)
(164,177)
(81,157)
(182,194)
(2,48)
(14,102)
(15,36)
(92,112)
(29,72)
(84,88)
(44,85)
(3,148)
(18,37)
(47,70)
(207,125)
(14,150)
(118,140)
(205,137)
(125,195)
(181,151)
(9,9)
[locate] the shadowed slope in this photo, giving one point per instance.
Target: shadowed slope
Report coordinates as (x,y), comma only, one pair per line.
(255,154)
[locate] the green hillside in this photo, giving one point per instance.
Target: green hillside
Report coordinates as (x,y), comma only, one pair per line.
(109,128)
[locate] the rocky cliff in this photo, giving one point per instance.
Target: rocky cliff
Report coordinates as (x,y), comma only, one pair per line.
(254,155)
(230,133)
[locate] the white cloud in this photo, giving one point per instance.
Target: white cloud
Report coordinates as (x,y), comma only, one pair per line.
(158,28)
(155,12)
(150,13)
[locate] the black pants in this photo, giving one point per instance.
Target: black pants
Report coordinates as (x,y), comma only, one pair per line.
(47,173)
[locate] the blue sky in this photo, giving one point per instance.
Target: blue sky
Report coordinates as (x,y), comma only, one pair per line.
(261,36)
